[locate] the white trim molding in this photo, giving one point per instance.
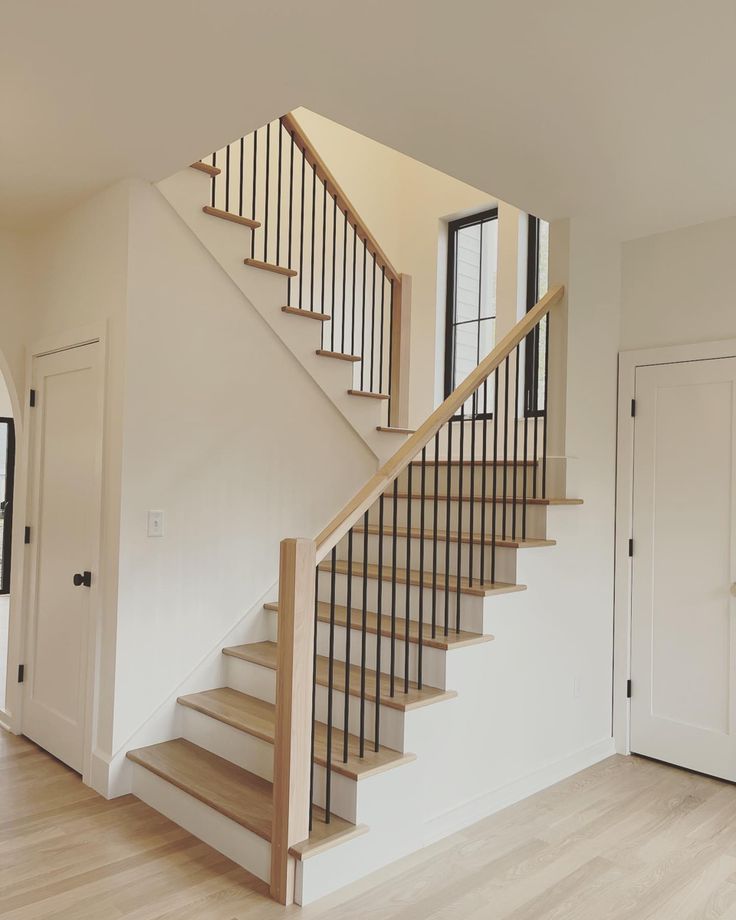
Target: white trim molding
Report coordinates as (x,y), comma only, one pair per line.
(628,363)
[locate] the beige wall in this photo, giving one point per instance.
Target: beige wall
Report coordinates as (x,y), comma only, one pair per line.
(406,205)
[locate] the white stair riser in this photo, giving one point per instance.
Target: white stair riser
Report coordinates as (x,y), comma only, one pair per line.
(256,756)
(463,480)
(226,836)
(471,617)
(504,570)
(433,659)
(534,528)
(256,680)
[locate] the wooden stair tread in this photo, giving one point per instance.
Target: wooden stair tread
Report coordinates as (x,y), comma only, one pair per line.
(234,218)
(206,168)
(392,430)
(232,791)
(368,395)
(306,314)
(271,267)
(341,356)
(258,718)
(416,534)
(499,500)
(451,640)
(264,654)
(372,571)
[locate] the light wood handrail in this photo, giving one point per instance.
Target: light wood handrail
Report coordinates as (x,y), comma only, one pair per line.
(333,188)
(379,482)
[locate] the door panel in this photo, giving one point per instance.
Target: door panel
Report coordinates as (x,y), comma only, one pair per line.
(683,648)
(66,445)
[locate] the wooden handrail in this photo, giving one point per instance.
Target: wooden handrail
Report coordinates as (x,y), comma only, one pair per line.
(362,501)
(343,202)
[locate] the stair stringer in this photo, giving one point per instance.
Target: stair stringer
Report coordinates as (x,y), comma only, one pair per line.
(229,244)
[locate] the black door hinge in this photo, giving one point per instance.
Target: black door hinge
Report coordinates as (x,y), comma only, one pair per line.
(21,673)
(633,408)
(631,546)
(628,689)
(27,535)
(32,398)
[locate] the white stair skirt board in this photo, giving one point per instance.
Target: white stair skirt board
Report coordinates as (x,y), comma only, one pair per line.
(226,836)
(186,192)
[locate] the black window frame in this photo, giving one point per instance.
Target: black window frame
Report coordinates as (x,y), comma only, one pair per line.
(532,352)
(453,226)
(8,503)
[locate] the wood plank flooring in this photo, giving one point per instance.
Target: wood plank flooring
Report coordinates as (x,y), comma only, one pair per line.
(627,839)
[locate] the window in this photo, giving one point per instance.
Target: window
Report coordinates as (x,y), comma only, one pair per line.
(536,343)
(470,331)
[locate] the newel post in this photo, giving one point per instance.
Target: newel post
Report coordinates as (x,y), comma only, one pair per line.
(293,729)
(400,343)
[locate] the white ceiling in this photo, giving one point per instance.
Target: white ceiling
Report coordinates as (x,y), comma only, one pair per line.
(621,110)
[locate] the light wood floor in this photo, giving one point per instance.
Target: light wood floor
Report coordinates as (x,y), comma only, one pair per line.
(627,839)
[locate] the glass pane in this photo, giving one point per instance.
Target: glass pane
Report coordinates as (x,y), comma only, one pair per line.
(543,262)
(467,273)
(466,350)
(489,253)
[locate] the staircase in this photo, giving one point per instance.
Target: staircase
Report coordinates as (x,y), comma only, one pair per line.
(340,744)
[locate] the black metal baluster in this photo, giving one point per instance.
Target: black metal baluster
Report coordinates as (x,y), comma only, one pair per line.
(227,178)
(364,635)
(278,197)
(362,350)
(505,442)
(546,403)
(383,301)
(213,188)
(459,567)
(483,485)
(526,458)
(435,522)
(535,404)
(420,639)
(392,675)
(267,192)
(495,476)
(471,510)
(253,197)
(352,305)
(390,350)
(334,261)
(379,629)
(373,329)
(448,522)
(314,231)
(516,444)
(324,258)
(344,277)
(330,686)
(348,635)
(291,215)
(407,606)
(314,695)
(301,233)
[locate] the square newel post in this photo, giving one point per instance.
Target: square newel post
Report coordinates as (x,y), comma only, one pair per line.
(400,345)
(293,729)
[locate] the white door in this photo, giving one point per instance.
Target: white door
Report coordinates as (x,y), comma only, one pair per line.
(683,643)
(66,436)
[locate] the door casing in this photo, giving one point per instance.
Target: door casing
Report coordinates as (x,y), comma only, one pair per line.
(628,362)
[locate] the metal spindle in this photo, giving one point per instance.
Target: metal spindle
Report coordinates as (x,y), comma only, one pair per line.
(526,458)
(314,695)
(278,196)
(314,231)
(379,627)
(301,232)
(253,196)
(407,606)
(483,485)
(459,567)
(535,404)
(344,277)
(471,510)
(348,634)
(362,348)
(291,215)
(227,178)
(352,305)
(330,686)
(505,442)
(240,177)
(516,444)
(213,186)
(392,673)
(390,349)
(546,415)
(495,477)
(334,260)
(434,531)
(364,635)
(420,639)
(267,192)
(448,494)
(383,301)
(324,259)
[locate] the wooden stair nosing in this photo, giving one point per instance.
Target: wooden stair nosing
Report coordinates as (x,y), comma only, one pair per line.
(233,218)
(264,654)
(256,717)
(340,356)
(386,574)
(270,267)
(391,430)
(306,314)
(206,169)
(236,793)
(368,395)
(441,536)
(443,643)
(498,500)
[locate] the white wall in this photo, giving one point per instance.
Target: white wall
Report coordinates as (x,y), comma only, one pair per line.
(229,436)
(406,205)
(678,287)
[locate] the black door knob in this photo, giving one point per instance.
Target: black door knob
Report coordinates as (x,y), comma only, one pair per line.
(82,578)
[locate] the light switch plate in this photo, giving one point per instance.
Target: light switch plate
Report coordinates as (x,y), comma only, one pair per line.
(155,523)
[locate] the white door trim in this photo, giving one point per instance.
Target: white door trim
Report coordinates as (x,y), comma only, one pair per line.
(20,597)
(628,362)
